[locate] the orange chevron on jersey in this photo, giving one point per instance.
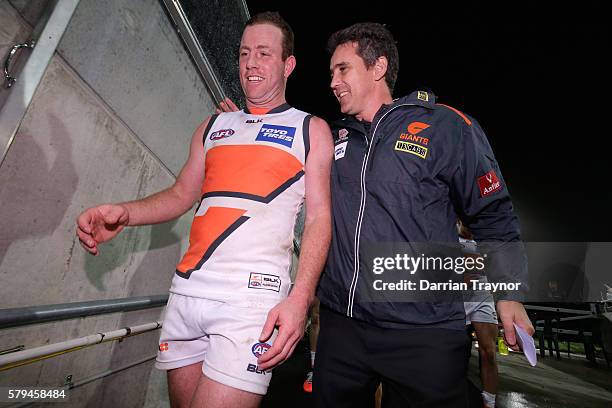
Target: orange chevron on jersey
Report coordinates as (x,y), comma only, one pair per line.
(207,231)
(255,172)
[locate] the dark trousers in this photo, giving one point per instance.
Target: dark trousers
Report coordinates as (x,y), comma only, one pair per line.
(422,367)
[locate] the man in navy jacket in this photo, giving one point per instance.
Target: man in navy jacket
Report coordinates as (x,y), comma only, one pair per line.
(405,170)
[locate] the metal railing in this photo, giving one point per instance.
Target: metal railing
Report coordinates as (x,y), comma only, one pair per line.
(23,316)
(18,356)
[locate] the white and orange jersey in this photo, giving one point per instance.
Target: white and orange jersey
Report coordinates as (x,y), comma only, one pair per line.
(241,240)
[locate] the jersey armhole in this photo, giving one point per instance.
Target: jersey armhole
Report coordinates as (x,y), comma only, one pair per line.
(208,127)
(306,134)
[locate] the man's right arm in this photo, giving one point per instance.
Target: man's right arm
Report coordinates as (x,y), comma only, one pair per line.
(102,223)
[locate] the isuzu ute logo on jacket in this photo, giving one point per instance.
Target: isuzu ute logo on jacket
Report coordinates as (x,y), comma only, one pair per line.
(411,148)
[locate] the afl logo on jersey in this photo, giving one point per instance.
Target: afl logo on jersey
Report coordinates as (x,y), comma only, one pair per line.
(259,349)
(220,134)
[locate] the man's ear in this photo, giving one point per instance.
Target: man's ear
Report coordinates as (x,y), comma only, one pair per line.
(289,65)
(380,68)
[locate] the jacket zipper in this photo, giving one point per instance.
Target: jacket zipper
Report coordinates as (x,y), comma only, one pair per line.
(353,287)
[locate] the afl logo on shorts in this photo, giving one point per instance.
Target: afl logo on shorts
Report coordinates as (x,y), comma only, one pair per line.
(220,134)
(259,349)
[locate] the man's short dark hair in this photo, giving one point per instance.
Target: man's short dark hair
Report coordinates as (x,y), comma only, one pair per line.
(275,19)
(374,40)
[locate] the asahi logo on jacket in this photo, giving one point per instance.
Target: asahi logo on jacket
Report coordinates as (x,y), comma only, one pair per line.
(488,184)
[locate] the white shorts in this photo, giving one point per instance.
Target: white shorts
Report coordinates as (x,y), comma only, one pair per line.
(479,305)
(224,337)
(480,312)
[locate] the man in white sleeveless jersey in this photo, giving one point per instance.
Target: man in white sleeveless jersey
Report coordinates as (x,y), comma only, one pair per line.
(252,171)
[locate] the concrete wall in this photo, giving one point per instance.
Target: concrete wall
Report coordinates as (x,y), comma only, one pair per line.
(141,70)
(110,121)
(13,30)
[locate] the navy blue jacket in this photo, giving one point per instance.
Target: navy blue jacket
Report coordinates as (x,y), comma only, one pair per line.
(419,168)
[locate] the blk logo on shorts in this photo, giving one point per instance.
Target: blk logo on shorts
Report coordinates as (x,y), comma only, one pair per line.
(163,347)
(276,134)
(252,368)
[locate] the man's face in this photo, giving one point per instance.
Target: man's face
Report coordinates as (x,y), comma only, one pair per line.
(352,83)
(262,70)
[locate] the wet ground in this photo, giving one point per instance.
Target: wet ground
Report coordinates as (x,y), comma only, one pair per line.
(567,383)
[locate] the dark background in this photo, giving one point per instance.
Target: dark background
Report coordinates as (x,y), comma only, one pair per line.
(535,77)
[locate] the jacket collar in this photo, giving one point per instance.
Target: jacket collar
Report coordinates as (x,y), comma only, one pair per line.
(426,99)
(349,122)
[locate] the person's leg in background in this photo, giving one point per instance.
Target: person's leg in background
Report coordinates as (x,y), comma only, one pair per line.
(378,397)
(313,336)
(483,317)
(486,333)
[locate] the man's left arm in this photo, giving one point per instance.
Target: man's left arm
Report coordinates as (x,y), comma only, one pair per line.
(290,315)
(485,207)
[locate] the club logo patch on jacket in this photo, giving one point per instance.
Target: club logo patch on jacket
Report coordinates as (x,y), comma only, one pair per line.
(412,142)
(414,129)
